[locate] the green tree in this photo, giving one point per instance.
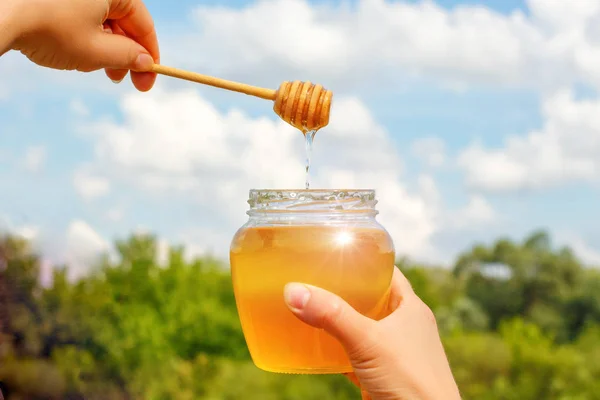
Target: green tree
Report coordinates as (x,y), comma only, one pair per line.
(519,321)
(530,279)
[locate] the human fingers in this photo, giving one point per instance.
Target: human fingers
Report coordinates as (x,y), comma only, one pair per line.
(115,75)
(325,310)
(118,52)
(400,290)
(136,22)
(134,19)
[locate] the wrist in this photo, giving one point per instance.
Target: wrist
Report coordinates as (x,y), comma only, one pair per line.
(9,24)
(17,19)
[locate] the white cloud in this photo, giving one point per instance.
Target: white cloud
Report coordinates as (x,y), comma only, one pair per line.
(197,242)
(115,214)
(9,66)
(346,44)
(582,249)
(431,150)
(29,81)
(89,186)
(79,108)
(368,43)
(176,142)
(197,151)
(565,150)
(477,213)
(371,43)
(203,240)
(31,233)
(34,159)
(4,92)
(84,246)
(28,232)
(162,252)
(563,15)
(24,230)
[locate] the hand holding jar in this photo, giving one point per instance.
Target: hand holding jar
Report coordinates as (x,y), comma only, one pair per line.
(397,358)
(353,312)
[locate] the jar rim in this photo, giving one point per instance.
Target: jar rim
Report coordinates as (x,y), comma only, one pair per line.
(288,190)
(312,200)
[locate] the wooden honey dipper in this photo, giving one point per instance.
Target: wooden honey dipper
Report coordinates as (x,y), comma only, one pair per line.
(303,105)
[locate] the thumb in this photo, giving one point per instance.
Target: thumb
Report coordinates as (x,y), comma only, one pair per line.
(325,310)
(120,52)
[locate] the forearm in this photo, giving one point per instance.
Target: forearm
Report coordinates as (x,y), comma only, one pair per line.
(10,24)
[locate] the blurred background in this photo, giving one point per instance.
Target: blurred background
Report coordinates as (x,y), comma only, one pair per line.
(478,123)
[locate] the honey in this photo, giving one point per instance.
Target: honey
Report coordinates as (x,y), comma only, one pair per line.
(353,259)
(309,137)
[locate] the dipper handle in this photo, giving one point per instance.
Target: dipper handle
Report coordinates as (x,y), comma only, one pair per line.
(267,94)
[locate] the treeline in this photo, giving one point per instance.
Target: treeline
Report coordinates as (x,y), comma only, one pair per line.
(519,321)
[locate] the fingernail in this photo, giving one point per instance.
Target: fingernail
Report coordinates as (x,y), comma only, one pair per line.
(144,62)
(116,82)
(296,295)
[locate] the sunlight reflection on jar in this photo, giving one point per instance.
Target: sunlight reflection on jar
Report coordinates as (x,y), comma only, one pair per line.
(343,238)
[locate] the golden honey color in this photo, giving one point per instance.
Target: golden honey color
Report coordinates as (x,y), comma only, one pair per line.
(354,262)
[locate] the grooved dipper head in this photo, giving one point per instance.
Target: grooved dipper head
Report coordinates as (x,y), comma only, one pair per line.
(303,105)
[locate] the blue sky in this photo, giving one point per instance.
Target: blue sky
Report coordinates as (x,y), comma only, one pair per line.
(472,120)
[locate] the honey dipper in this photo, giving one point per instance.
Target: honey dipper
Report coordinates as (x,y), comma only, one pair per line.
(303,105)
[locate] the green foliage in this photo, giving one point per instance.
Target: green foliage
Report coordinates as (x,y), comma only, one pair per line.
(540,284)
(518,321)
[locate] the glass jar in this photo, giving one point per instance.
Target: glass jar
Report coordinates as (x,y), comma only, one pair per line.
(326,238)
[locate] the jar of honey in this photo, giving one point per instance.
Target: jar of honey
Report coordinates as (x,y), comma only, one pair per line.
(326,238)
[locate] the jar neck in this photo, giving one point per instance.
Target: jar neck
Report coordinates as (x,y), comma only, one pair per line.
(312,216)
(313,203)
